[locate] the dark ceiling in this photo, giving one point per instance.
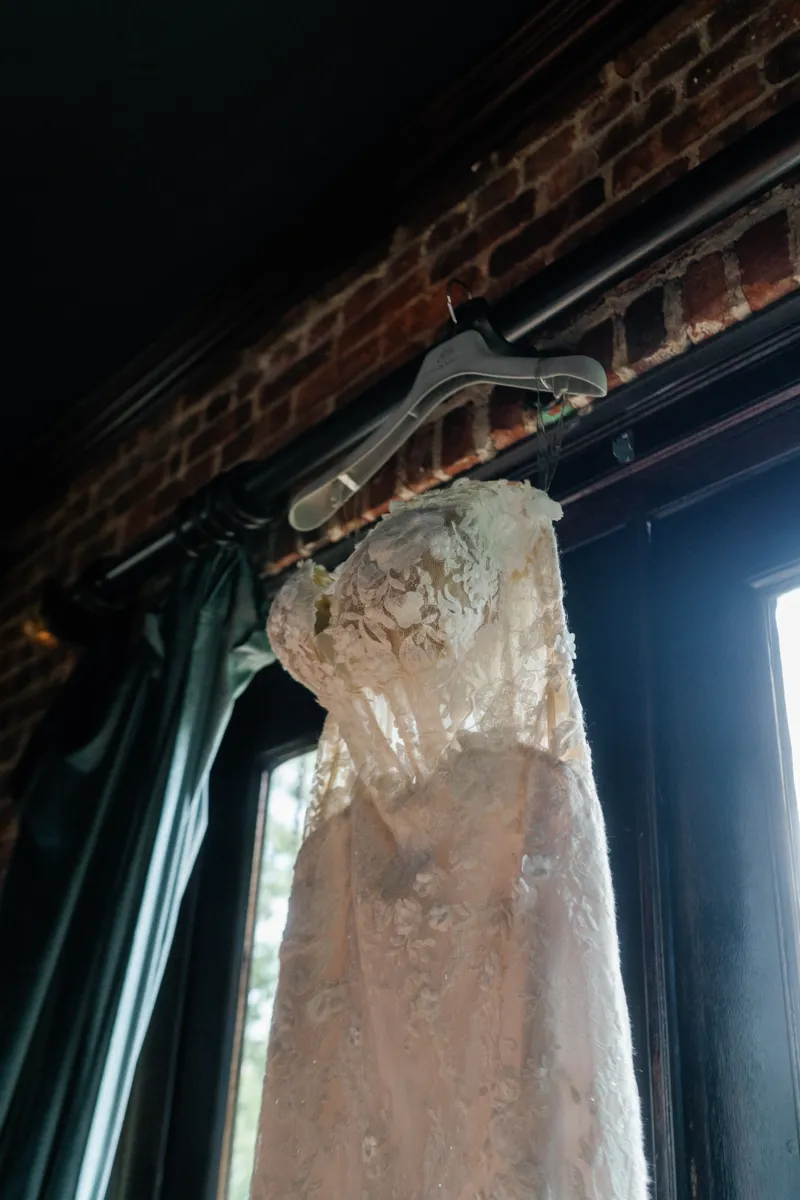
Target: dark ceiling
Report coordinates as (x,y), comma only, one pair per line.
(151,150)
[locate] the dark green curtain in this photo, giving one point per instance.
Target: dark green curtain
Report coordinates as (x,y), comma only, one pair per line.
(113,807)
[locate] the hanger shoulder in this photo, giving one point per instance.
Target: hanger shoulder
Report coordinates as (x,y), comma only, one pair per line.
(456,363)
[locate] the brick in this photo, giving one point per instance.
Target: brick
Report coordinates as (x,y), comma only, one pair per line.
(569,176)
(417,322)
(304,417)
(507,220)
(167,499)
(711,109)
(419,459)
(458,444)
(705,293)
(765,261)
(455,257)
(645,331)
(736,93)
(199,474)
(671,60)
(188,427)
(498,192)
(330,384)
(636,164)
(542,160)
(736,129)
(446,230)
(299,371)
(772,103)
(243,413)
(207,379)
(636,124)
(209,439)
(237,449)
(247,383)
(217,406)
(361,300)
(111,487)
(404,263)
(349,517)
(382,489)
(144,486)
(78,508)
(773,22)
(608,109)
(352,386)
(587,199)
(598,342)
(323,329)
(283,354)
(404,292)
(507,409)
(783,62)
(450,192)
(139,520)
(358,332)
(535,237)
(385,307)
(547,228)
(187,402)
(666,31)
(722,59)
(728,15)
(89,530)
(779,20)
(705,296)
(157,447)
(276,417)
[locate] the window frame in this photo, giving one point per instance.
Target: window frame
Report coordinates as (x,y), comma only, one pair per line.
(268,762)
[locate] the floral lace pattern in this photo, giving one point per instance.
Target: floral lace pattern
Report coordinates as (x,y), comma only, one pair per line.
(450,1019)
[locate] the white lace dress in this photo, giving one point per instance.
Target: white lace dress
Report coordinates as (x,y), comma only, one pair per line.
(450,1022)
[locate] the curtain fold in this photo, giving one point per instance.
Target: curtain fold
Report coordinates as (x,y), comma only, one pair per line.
(113,808)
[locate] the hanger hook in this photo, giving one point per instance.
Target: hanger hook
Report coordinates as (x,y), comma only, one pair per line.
(451,307)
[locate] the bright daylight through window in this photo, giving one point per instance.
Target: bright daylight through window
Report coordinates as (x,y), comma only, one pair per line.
(287,799)
(788,619)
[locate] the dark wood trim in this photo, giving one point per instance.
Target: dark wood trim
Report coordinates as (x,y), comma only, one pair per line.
(541,70)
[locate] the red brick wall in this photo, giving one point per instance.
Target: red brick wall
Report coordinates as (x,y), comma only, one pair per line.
(700,79)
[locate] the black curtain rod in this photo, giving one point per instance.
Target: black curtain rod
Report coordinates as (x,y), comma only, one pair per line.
(255,495)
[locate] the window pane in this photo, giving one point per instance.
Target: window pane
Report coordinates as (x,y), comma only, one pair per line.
(287,799)
(788,618)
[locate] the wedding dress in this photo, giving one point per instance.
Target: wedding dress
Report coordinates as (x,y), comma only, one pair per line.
(450,1022)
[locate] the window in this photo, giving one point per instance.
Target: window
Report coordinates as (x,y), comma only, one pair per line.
(286,790)
(788,621)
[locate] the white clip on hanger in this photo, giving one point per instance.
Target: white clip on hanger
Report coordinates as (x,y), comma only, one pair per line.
(475,353)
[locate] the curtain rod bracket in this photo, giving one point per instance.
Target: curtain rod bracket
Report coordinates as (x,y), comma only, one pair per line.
(220,513)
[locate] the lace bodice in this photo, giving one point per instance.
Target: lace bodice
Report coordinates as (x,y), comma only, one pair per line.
(447,618)
(450,1022)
